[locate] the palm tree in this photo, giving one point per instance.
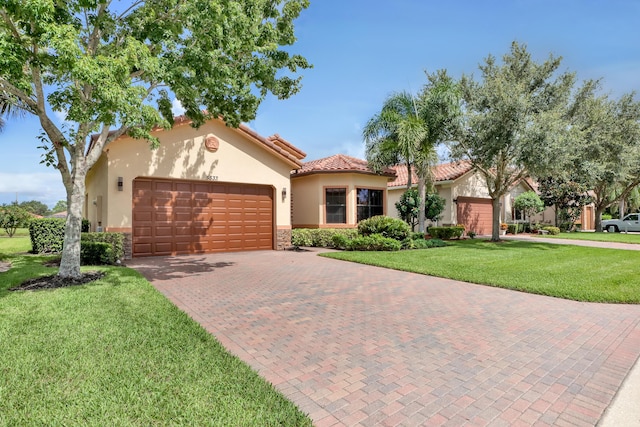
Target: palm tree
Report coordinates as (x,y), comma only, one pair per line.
(393,136)
(408,129)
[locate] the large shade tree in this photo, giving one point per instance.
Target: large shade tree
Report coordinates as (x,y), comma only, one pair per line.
(514,121)
(113,68)
(607,155)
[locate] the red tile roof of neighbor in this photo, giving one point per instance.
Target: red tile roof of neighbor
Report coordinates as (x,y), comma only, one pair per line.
(340,163)
(443,172)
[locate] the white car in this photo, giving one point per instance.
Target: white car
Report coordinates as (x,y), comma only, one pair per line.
(630,222)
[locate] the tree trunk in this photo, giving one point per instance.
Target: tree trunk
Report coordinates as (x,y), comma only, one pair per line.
(598,224)
(422,196)
(495,228)
(70,263)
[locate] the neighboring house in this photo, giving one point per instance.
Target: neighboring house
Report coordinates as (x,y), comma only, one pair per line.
(62,214)
(338,192)
(211,189)
(465,193)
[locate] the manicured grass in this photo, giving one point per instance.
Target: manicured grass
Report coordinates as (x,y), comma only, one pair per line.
(564,271)
(117,352)
(599,237)
(20,232)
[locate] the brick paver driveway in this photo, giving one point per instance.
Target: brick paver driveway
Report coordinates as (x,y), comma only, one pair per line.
(359,345)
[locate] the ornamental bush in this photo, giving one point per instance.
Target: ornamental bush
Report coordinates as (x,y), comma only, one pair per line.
(446,233)
(422,243)
(47,235)
(319,237)
(373,242)
(96,253)
(13,217)
(552,230)
(393,228)
(115,241)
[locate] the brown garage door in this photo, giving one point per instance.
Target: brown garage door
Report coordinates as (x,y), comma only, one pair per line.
(475,214)
(183,217)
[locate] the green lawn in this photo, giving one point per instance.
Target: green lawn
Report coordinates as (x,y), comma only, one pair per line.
(117,352)
(564,271)
(600,237)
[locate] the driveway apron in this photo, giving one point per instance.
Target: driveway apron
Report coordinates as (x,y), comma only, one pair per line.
(356,345)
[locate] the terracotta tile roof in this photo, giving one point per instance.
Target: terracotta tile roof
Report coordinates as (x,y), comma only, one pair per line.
(340,163)
(442,172)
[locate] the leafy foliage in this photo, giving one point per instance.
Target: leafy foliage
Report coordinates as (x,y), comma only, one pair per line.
(96,253)
(529,202)
(422,243)
(568,196)
(47,235)
(409,203)
(60,206)
(35,207)
(373,242)
(13,217)
(552,230)
(393,228)
(320,237)
(514,121)
(446,233)
(114,240)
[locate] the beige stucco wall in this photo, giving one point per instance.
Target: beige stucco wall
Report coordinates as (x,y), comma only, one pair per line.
(96,198)
(182,155)
(309,202)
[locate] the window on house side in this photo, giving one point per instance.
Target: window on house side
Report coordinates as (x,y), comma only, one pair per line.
(336,205)
(370,203)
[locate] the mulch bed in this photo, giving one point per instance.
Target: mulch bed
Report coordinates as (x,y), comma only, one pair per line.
(54,281)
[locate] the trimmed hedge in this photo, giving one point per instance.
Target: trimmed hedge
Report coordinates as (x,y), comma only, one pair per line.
(115,241)
(47,235)
(552,230)
(446,233)
(96,253)
(386,226)
(373,242)
(320,237)
(520,226)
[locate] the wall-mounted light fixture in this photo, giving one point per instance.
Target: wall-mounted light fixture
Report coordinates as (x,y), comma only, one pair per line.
(284,193)
(120,184)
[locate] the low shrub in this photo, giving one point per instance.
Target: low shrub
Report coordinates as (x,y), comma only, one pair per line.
(96,253)
(422,243)
(386,226)
(471,234)
(320,237)
(446,233)
(114,240)
(416,236)
(552,230)
(373,242)
(340,241)
(47,235)
(515,228)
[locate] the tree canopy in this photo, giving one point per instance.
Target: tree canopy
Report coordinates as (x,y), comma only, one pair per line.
(514,121)
(113,68)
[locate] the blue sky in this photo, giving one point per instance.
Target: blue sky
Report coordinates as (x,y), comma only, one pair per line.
(364,50)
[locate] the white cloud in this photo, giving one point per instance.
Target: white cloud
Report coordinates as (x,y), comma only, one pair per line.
(44,187)
(176,107)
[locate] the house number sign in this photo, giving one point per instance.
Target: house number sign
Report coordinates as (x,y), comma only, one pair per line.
(212,177)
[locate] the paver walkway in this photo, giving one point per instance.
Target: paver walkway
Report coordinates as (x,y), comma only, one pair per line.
(359,345)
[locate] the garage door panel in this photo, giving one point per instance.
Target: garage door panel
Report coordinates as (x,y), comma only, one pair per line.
(476,214)
(171,217)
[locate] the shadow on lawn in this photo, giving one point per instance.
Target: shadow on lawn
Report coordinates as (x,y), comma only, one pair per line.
(166,268)
(505,245)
